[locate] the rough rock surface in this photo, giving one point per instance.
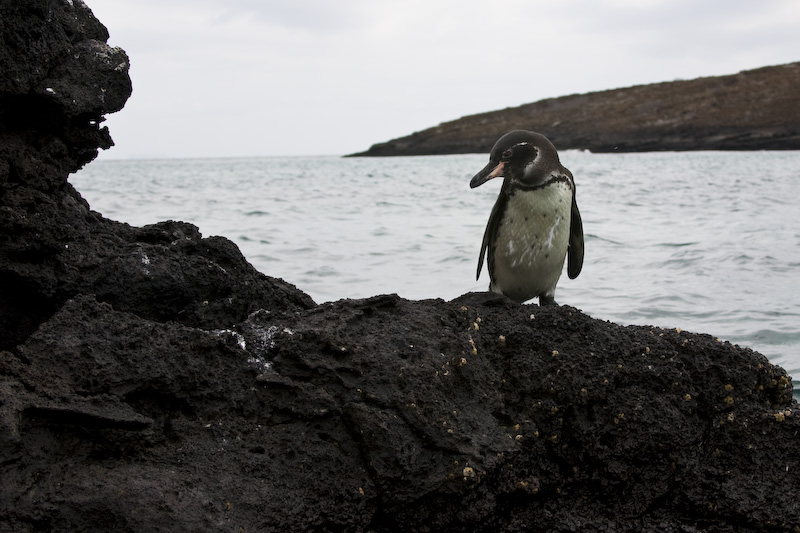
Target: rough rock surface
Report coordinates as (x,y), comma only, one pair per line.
(59,79)
(152,380)
(392,415)
(752,110)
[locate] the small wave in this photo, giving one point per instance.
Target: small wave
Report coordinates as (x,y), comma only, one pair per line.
(593,237)
(299,251)
(775,337)
(322,272)
(676,244)
(454,258)
(257,259)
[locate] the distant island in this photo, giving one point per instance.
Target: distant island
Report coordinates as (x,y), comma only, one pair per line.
(752,110)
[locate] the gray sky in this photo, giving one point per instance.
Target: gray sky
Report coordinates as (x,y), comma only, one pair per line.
(314,77)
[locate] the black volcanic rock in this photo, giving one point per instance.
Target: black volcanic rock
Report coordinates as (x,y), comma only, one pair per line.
(391,415)
(152,380)
(60,77)
(752,110)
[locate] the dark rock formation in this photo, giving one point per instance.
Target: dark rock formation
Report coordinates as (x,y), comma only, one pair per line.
(59,79)
(753,110)
(152,380)
(390,415)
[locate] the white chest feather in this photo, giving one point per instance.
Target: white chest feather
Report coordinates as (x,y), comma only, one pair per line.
(531,242)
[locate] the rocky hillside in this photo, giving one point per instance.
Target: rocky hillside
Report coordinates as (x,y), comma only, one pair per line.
(152,380)
(753,110)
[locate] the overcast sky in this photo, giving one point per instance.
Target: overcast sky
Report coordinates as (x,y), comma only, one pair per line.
(313,77)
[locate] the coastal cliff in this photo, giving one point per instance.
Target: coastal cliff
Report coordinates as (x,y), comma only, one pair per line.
(752,110)
(152,380)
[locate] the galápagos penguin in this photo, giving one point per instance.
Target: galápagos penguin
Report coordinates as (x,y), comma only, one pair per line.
(535,223)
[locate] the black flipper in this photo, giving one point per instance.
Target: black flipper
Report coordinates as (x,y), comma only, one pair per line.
(575,251)
(491,230)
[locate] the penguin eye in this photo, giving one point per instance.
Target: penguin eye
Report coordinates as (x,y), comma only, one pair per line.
(507,154)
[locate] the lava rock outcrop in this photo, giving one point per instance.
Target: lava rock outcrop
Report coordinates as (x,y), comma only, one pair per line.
(152,380)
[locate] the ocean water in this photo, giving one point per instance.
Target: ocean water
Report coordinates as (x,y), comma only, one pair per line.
(705,241)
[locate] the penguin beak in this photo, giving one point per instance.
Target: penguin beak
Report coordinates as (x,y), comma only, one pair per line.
(492,170)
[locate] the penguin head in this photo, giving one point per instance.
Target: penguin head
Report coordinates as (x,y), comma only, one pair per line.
(523,157)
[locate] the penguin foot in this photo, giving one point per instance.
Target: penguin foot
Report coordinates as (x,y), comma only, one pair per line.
(546,300)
